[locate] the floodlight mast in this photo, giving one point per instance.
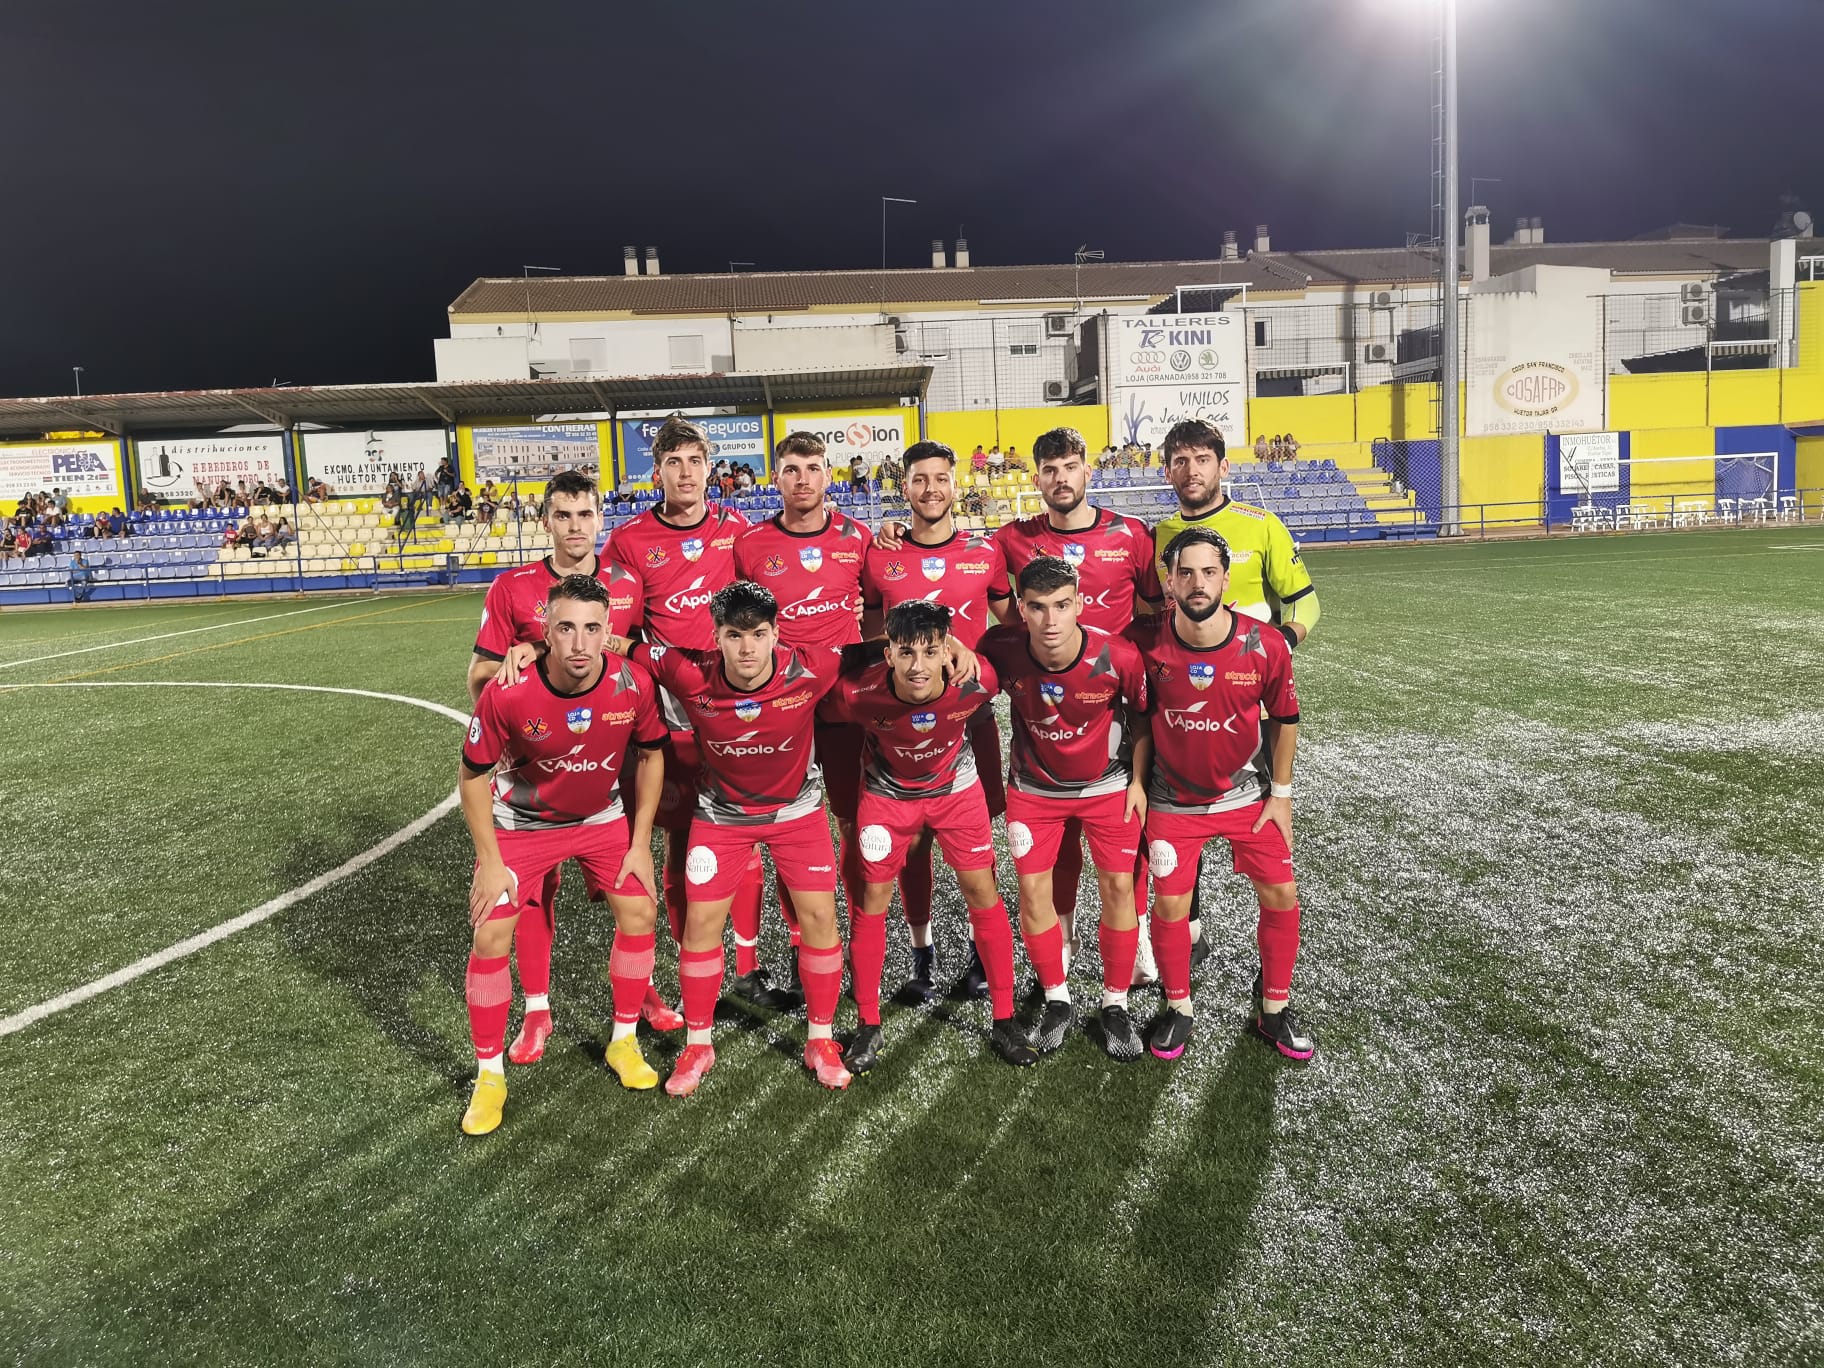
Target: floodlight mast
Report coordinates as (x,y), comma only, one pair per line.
(1449,275)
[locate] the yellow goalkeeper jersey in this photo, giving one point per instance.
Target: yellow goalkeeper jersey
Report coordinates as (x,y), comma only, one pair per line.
(1266,574)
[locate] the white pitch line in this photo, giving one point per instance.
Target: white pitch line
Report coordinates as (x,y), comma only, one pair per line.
(166,636)
(272,907)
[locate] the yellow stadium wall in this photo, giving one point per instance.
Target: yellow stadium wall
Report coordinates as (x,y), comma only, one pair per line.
(1507,471)
(1016,427)
(1809,464)
(1672,479)
(93,503)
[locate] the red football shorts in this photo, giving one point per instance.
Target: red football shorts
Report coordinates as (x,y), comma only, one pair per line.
(717,859)
(839,757)
(599,848)
(985,740)
(1035,830)
(886,828)
(678,799)
(1175,842)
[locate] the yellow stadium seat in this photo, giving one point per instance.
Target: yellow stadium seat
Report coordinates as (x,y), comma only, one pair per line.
(498,530)
(446,545)
(358,549)
(489,558)
(364,505)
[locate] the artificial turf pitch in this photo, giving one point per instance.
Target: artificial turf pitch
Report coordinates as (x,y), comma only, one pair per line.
(1559,835)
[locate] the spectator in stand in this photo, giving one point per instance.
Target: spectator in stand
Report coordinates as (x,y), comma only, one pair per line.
(1276,450)
(262,534)
(265,492)
(9,540)
(978,460)
(283,489)
(972,501)
(445,483)
(81,579)
(393,495)
(1262,451)
(1291,447)
(1014,458)
(462,503)
(243,496)
(727,482)
(486,505)
(858,471)
(231,537)
(61,502)
(117,523)
(997,464)
(317,491)
(744,478)
(282,535)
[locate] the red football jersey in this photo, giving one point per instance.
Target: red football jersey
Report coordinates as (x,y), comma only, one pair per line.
(912,750)
(514,610)
(560,755)
(1113,560)
(756,744)
(964,573)
(1071,734)
(1209,751)
(682,568)
(816,576)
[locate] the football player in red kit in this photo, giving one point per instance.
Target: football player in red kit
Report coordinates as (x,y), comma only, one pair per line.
(753,702)
(684,550)
(1117,579)
(540,784)
(940,563)
(513,615)
(919,778)
(1077,753)
(809,557)
(1217,770)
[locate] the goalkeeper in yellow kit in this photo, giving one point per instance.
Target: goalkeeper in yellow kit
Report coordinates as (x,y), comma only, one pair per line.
(1267,577)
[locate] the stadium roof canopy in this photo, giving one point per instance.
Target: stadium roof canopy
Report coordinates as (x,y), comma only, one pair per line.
(447,402)
(506,299)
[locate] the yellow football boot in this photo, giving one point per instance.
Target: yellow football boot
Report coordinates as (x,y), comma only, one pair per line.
(630,1065)
(485,1103)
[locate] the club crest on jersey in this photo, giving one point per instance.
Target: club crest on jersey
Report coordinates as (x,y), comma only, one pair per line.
(540,610)
(578,720)
(811,558)
(933,566)
(747,710)
(692,547)
(1200,674)
(773,565)
(1072,553)
(923,721)
(895,570)
(1051,692)
(535,728)
(655,557)
(705,705)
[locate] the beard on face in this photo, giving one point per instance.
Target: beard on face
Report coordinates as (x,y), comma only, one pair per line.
(1201,612)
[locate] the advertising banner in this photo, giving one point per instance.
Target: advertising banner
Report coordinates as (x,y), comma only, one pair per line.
(358,463)
(536,452)
(81,470)
(876,437)
(739,437)
(1534,363)
(1589,463)
(176,470)
(1165,368)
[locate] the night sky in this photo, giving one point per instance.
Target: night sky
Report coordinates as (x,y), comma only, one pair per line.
(204,195)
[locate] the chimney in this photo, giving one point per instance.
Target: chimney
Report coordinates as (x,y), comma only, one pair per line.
(938,260)
(1475,241)
(962,252)
(1522,232)
(652,261)
(630,260)
(1262,243)
(1229,251)
(1536,231)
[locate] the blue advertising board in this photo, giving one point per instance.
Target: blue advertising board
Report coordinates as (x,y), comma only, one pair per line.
(737,437)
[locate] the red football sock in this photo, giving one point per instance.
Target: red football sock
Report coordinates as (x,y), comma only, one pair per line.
(788,913)
(821,972)
(915,886)
(994,943)
(1046,951)
(677,894)
(700,975)
(630,972)
(744,913)
(868,946)
(489,991)
(532,937)
(1068,871)
(1119,950)
(1172,952)
(1277,937)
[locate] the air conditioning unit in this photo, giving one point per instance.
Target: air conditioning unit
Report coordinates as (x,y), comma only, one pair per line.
(1692,293)
(1056,390)
(1057,325)
(1381,299)
(1694,315)
(900,344)
(1377,351)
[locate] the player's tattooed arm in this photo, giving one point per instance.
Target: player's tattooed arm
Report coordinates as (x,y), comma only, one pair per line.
(493,882)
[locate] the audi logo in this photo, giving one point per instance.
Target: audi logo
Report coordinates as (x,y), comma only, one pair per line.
(1148,358)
